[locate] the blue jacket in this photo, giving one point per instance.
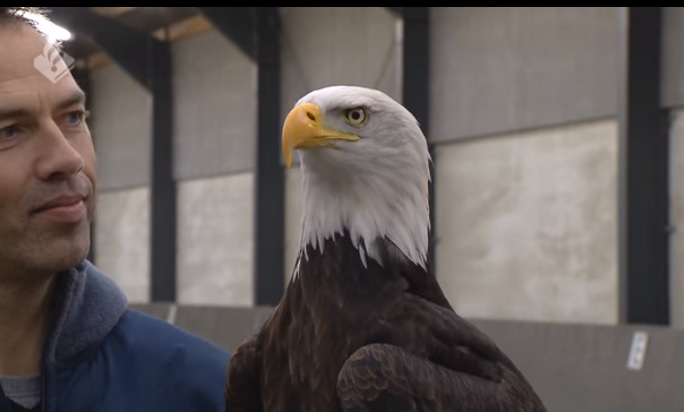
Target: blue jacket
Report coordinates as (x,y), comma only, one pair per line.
(102,356)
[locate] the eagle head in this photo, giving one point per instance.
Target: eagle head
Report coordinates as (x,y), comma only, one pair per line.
(365,169)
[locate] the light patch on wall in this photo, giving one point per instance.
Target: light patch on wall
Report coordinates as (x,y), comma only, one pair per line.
(215,240)
(527,224)
(122,239)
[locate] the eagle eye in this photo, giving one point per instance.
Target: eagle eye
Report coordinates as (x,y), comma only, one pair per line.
(356,116)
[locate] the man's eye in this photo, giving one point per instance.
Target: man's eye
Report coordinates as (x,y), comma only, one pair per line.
(75,118)
(9,132)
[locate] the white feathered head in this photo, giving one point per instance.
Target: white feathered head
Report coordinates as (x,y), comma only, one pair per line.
(365,168)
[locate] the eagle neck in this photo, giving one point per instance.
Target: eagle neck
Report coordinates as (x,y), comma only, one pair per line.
(364,207)
(340,278)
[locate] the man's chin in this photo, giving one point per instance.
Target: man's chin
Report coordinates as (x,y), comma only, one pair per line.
(63,256)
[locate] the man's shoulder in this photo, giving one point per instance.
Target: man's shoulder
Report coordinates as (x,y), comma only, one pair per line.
(143,354)
(185,360)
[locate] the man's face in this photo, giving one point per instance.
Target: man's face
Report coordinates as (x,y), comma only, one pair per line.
(47,163)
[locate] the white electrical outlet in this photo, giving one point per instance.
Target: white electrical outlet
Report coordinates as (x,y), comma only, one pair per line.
(637,351)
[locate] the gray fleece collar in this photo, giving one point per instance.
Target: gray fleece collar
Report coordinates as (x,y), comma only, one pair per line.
(87,305)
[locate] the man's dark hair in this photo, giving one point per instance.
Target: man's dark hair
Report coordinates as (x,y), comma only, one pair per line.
(15,16)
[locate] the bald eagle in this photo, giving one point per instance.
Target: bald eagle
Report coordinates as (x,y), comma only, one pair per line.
(363,324)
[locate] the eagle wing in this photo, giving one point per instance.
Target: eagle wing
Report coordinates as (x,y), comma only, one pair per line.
(242,393)
(433,361)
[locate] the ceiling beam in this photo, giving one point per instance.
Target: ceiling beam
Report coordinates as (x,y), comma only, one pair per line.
(237,24)
(112,11)
(128,47)
(181,30)
(399,11)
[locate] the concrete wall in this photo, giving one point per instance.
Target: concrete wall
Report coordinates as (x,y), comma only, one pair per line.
(501,69)
(526,213)
(121,127)
(523,106)
(672,96)
(527,224)
(215,217)
(214,88)
(672,91)
(677,218)
(215,140)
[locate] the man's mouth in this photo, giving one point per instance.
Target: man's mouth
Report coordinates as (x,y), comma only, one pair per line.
(64,209)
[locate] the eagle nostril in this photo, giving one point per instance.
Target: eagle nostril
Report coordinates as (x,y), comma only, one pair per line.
(310,116)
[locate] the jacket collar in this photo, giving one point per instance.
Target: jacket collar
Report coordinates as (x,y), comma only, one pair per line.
(87,305)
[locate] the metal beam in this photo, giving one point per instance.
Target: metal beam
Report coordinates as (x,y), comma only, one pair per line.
(643,171)
(256,30)
(128,47)
(82,78)
(237,24)
(148,61)
(269,174)
(234,23)
(416,88)
(396,10)
(162,185)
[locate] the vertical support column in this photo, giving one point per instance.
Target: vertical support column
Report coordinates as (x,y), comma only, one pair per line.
(269,174)
(82,77)
(162,185)
(416,89)
(148,61)
(643,172)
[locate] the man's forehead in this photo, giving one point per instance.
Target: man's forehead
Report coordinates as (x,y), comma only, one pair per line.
(20,81)
(19,46)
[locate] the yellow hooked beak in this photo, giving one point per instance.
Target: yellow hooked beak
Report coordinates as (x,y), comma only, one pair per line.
(304,128)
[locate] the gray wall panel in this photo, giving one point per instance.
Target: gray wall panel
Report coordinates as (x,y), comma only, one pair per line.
(584,368)
(673,56)
(121,127)
(122,240)
(227,327)
(503,69)
(216,240)
(339,45)
(215,107)
(677,219)
(526,224)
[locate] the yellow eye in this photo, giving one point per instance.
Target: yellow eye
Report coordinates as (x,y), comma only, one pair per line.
(356,116)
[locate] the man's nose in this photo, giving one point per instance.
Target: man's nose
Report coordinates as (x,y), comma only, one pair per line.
(59,159)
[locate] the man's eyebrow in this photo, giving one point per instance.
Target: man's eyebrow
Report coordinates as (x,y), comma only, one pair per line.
(13,113)
(76,98)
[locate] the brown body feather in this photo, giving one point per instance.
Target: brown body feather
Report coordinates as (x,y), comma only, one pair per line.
(346,337)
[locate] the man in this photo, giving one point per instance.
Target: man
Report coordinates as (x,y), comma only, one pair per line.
(68,342)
